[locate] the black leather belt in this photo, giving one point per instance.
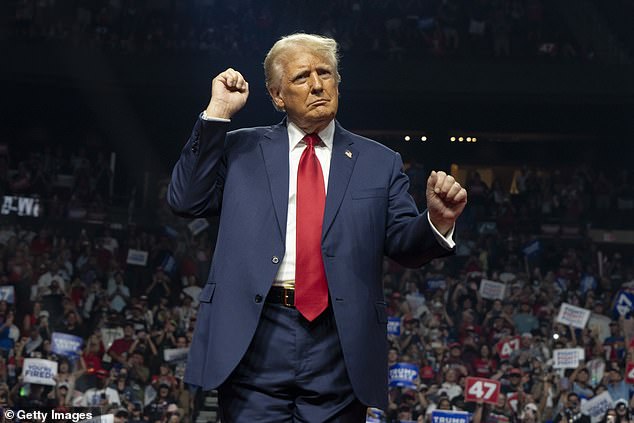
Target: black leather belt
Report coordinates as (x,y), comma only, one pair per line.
(283,296)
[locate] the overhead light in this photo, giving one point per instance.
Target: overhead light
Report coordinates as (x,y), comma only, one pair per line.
(423,138)
(407,138)
(461,139)
(474,139)
(468,139)
(452,139)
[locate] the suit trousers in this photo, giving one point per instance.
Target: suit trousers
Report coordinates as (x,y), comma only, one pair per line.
(293,371)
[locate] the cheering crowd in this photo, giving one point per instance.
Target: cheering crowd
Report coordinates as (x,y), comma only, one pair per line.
(135,316)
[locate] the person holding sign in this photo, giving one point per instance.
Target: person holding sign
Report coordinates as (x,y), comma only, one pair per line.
(572,411)
(292,322)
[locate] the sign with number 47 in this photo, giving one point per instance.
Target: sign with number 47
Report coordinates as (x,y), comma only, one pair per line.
(507,346)
(479,389)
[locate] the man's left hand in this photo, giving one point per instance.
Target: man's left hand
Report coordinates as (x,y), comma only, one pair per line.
(446,200)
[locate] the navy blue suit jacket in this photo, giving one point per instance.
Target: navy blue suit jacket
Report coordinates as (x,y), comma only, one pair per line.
(243,176)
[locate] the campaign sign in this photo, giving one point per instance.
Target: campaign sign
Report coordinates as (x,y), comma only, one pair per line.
(567,358)
(570,315)
(629,373)
(479,389)
(196,226)
(444,416)
(436,283)
(394,326)
(40,371)
(624,303)
(492,290)
(175,354)
(375,415)
(66,344)
(7,293)
(532,248)
(403,375)
(597,406)
(507,346)
(137,257)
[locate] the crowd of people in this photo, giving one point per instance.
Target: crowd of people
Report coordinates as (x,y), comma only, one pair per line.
(79,281)
(515,29)
(74,185)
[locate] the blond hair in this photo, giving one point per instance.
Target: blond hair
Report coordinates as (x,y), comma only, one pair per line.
(320,45)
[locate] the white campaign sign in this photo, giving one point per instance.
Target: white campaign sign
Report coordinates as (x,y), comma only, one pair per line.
(174,354)
(492,290)
(567,358)
(573,316)
(137,257)
(597,406)
(39,371)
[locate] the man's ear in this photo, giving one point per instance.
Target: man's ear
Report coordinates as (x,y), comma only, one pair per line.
(276,97)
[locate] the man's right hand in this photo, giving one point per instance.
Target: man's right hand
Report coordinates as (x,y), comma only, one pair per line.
(229,93)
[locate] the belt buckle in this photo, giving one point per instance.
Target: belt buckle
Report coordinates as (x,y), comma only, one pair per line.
(286,297)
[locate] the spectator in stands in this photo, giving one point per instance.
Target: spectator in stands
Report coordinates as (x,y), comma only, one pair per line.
(120,347)
(572,411)
(101,395)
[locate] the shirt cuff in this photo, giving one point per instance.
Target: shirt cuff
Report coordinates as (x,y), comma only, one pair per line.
(204,116)
(445,241)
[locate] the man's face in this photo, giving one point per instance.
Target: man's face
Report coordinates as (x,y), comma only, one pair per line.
(308,90)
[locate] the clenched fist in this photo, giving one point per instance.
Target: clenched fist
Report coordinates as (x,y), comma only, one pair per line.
(229,93)
(446,200)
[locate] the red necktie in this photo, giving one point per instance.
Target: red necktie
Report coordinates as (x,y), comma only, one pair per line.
(311,288)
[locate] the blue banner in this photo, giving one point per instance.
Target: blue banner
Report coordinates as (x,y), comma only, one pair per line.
(66,344)
(403,375)
(443,416)
(623,304)
(394,326)
(436,283)
(532,249)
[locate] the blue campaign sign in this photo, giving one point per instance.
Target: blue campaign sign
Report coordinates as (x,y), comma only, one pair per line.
(436,283)
(66,344)
(624,303)
(394,326)
(443,416)
(403,375)
(532,249)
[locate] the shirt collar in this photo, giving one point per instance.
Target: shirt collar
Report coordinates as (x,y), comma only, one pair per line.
(295,135)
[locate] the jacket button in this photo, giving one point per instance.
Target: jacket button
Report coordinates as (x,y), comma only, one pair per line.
(275,260)
(258,298)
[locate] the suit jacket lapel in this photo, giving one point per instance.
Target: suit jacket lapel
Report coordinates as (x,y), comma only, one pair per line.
(342,162)
(274,147)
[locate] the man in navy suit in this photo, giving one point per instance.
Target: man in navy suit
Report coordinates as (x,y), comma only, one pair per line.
(292,319)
